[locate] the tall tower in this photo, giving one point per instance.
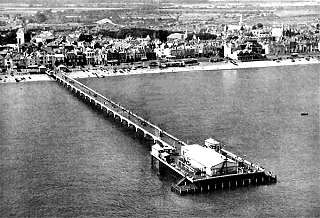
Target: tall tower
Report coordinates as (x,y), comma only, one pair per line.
(185,36)
(20,36)
(241,21)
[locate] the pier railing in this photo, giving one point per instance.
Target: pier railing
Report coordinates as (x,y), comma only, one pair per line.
(133,117)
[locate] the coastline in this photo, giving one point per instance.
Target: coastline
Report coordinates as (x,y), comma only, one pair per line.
(203,66)
(24,78)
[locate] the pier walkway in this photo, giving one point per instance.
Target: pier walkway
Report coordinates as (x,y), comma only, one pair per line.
(114,109)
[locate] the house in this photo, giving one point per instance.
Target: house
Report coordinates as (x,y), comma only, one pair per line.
(49,59)
(40,58)
(20,37)
(81,58)
(43,37)
(277,32)
(58,59)
(8,62)
(71,58)
(17,60)
(2,60)
(89,53)
(42,69)
(163,51)
(99,56)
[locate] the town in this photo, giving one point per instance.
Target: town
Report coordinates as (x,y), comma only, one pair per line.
(29,49)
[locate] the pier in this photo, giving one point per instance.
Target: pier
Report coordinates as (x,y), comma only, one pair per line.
(227,170)
(118,112)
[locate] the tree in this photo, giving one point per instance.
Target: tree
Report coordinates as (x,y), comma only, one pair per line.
(9,38)
(206,36)
(260,25)
(27,36)
(40,44)
(85,37)
(41,17)
(97,45)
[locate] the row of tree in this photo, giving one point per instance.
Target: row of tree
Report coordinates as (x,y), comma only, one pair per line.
(142,32)
(136,32)
(10,37)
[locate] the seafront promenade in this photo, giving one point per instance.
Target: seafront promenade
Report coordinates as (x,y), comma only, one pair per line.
(203,66)
(91,72)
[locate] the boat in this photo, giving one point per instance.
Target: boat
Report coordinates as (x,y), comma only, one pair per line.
(304,114)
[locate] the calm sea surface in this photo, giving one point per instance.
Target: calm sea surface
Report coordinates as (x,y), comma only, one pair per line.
(60,158)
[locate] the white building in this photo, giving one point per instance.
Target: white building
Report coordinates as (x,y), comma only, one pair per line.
(43,36)
(266,48)
(261,33)
(162,52)
(227,51)
(213,144)
(176,37)
(59,58)
(20,37)
(208,160)
(90,56)
(277,32)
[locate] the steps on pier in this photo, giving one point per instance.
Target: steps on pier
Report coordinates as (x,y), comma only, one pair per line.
(181,181)
(185,189)
(183,186)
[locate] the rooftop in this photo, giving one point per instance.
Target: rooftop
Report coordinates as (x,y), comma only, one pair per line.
(203,155)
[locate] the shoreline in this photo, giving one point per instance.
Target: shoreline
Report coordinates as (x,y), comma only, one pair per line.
(203,66)
(24,78)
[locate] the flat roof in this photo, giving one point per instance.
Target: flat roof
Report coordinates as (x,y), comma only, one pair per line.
(205,156)
(212,141)
(59,55)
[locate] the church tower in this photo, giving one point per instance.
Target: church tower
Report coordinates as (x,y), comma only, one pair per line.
(20,37)
(241,21)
